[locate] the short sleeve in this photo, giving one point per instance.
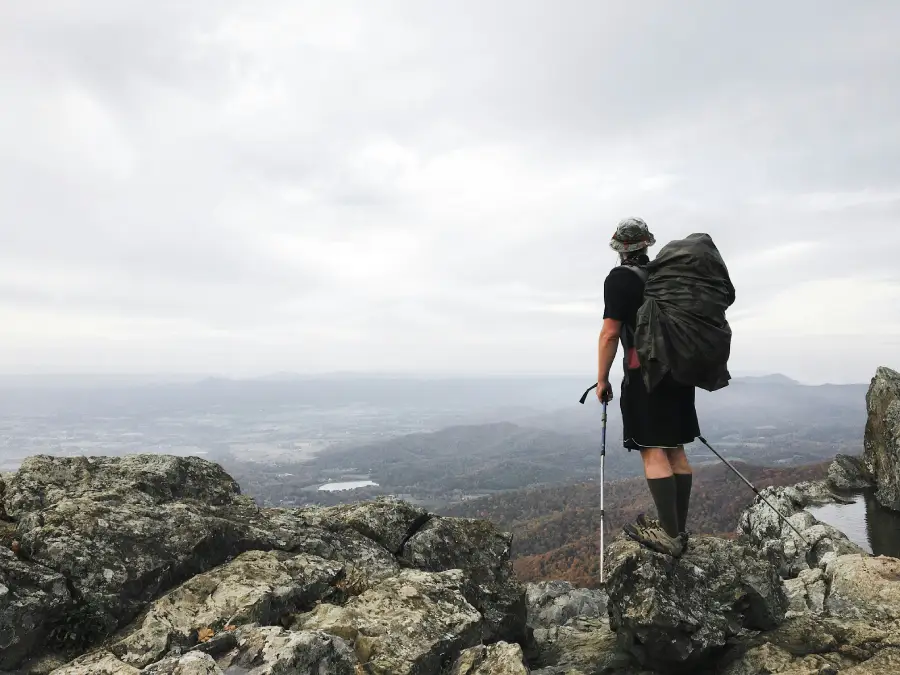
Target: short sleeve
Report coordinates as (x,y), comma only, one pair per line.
(616,298)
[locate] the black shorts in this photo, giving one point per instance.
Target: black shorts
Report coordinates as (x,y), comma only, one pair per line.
(663,418)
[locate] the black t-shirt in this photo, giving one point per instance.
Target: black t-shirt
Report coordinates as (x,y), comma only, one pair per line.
(623,294)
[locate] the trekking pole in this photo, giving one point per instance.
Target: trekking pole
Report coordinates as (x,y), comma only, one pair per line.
(741,476)
(602,474)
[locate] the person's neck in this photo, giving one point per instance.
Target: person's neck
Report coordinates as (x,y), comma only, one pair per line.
(636,259)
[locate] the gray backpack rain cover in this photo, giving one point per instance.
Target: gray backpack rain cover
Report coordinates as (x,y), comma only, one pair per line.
(681,325)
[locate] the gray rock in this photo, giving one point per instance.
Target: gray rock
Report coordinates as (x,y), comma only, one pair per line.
(410,624)
(106,525)
(385,520)
(100,662)
(674,614)
(255,588)
(864,588)
(32,598)
(43,481)
(119,556)
(366,563)
(482,551)
(500,658)
(271,650)
(806,593)
(848,473)
(557,603)
(810,645)
(581,647)
(882,436)
(762,528)
(885,662)
(193,663)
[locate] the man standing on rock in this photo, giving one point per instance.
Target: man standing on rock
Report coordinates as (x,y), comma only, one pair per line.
(657,423)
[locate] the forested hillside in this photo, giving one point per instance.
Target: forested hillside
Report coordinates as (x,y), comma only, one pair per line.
(556,529)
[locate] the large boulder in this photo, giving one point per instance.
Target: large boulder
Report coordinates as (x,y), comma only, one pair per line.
(411,624)
(255,588)
(121,530)
(882,436)
(32,598)
(847,472)
(482,551)
(764,530)
(674,614)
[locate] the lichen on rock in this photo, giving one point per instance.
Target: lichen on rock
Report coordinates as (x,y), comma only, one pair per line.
(677,613)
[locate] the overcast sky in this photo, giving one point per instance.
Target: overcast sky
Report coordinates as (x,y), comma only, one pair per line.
(241,188)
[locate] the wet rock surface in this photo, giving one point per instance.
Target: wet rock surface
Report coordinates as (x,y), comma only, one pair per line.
(766,532)
(882,436)
(848,473)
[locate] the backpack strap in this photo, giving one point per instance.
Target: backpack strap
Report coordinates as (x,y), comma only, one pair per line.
(627,333)
(640,271)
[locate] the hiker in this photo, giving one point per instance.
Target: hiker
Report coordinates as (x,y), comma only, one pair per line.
(657,423)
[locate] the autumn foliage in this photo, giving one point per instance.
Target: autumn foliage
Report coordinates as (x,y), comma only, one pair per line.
(556,529)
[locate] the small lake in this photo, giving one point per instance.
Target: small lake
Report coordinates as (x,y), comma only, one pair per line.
(865,522)
(348,485)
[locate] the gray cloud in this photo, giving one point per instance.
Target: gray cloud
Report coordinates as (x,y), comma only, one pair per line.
(231,188)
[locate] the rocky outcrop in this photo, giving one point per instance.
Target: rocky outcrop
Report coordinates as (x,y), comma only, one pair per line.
(121,530)
(477,548)
(766,532)
(158,564)
(846,473)
(676,614)
(882,436)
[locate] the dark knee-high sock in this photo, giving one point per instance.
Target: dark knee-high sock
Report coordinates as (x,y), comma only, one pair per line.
(666,498)
(683,483)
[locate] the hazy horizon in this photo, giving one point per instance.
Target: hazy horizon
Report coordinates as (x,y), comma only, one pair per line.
(420,187)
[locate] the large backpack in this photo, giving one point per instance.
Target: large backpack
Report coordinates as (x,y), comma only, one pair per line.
(681,327)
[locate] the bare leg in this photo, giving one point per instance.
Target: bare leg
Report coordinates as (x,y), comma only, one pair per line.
(678,460)
(656,463)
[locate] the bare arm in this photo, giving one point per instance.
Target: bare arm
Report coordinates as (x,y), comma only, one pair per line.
(607,346)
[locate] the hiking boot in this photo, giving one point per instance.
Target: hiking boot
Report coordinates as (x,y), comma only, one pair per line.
(654,538)
(646,522)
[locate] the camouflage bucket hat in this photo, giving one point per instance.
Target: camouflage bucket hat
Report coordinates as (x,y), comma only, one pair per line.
(631,234)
